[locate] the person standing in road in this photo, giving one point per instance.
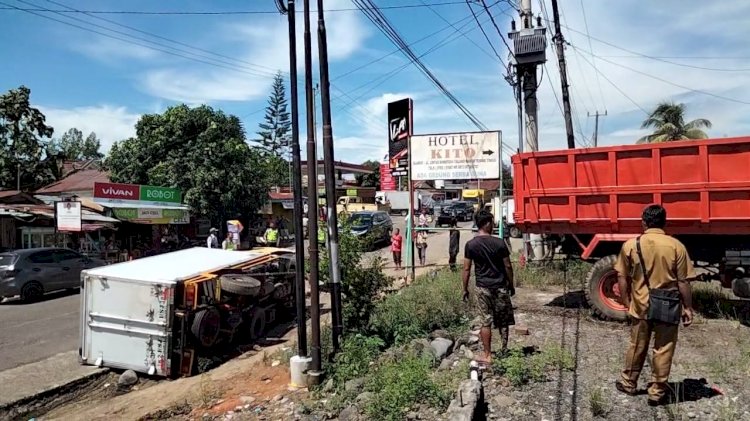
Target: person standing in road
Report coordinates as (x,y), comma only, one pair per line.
(396,242)
(422,247)
(654,273)
(212,241)
(228,243)
(455,239)
(494,282)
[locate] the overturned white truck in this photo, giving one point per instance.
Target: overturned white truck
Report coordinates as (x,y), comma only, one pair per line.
(159,315)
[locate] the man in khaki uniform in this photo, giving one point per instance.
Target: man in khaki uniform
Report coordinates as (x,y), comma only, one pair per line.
(669,267)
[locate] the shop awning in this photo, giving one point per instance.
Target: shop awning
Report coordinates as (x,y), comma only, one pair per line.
(150,214)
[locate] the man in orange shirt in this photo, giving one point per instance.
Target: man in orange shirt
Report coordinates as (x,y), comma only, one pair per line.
(654,261)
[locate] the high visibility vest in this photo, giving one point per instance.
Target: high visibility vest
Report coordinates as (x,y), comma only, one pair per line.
(272,235)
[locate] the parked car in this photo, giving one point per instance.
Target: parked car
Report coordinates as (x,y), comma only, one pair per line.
(462,211)
(31,273)
(377,225)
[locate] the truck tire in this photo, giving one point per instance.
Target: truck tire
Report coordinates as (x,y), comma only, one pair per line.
(206,326)
(240,284)
(602,292)
(257,325)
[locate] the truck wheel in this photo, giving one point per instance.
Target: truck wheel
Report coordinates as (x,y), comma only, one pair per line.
(515,232)
(258,324)
(603,293)
(240,284)
(206,326)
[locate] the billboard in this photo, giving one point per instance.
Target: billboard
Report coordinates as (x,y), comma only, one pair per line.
(68,216)
(400,128)
(146,195)
(387,181)
(456,156)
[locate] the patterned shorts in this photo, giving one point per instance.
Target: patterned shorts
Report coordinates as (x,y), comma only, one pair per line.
(495,306)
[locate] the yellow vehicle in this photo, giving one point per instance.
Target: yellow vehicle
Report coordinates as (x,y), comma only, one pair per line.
(349,204)
(473,196)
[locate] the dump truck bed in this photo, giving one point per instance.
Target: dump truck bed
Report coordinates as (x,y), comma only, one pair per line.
(704,186)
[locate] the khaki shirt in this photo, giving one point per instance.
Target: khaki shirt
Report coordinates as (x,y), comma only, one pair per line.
(666,259)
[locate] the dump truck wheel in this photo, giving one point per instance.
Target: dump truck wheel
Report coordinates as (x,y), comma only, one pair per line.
(603,293)
(258,324)
(206,326)
(240,284)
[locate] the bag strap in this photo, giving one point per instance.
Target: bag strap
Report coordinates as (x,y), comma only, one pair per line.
(643,261)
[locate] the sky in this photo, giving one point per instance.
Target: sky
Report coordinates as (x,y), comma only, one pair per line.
(101,71)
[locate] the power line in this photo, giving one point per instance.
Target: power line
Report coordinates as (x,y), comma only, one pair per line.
(464,35)
(220,13)
(588,35)
(499,32)
(382,23)
(468,3)
(612,83)
(697,91)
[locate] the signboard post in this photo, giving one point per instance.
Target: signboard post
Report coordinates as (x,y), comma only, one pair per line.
(400,128)
(68,216)
(456,156)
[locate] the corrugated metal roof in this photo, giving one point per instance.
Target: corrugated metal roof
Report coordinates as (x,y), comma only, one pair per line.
(82,180)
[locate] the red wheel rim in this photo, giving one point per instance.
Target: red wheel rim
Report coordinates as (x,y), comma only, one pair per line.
(609,291)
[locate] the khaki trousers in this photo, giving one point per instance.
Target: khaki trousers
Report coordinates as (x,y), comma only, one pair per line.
(665,340)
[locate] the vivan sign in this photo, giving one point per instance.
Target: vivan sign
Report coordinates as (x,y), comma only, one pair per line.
(119,193)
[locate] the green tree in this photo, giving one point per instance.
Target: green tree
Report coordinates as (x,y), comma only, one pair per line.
(507,180)
(202,152)
(370,180)
(275,130)
(668,122)
(73,146)
(27,153)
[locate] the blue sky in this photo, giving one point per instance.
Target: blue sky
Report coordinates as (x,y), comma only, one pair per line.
(86,80)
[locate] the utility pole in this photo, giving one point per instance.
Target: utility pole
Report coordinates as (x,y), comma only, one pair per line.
(529,45)
(312,207)
(330,180)
(560,47)
(296,170)
(596,125)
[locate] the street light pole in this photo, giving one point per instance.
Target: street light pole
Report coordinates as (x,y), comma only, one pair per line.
(330,181)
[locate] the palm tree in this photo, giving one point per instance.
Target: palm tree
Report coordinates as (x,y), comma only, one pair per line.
(668,122)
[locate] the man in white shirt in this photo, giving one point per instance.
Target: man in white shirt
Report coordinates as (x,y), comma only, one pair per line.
(212,241)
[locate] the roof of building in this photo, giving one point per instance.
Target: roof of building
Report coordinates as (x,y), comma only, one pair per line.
(81,180)
(344,167)
(280,196)
(16,197)
(483,184)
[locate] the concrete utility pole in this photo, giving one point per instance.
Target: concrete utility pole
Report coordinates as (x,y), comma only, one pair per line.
(330,180)
(312,206)
(529,45)
(596,125)
(296,167)
(560,47)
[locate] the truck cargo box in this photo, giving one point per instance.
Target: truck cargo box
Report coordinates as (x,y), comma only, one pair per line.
(127,308)
(704,186)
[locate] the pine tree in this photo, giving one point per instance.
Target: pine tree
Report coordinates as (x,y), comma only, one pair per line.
(275,130)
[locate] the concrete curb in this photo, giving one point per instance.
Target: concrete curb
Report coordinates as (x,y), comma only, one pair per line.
(464,406)
(50,397)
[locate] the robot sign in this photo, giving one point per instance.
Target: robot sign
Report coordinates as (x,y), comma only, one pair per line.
(456,156)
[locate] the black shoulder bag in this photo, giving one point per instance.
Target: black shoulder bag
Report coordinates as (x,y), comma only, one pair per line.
(664,305)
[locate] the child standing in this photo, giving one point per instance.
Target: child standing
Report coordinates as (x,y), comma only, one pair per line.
(396,241)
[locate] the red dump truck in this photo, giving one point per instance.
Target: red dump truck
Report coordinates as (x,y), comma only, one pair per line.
(590,202)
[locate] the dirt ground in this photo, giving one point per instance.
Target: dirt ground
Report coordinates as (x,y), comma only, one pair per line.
(717,350)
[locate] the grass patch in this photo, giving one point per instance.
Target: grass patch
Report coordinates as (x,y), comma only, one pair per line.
(400,385)
(354,359)
(423,307)
(597,403)
(524,365)
(714,302)
(544,275)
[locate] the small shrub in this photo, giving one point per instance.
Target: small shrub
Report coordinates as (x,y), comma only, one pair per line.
(521,367)
(426,305)
(353,361)
(542,275)
(399,385)
(597,403)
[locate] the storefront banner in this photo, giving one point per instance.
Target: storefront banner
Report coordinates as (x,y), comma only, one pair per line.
(106,193)
(152,216)
(68,216)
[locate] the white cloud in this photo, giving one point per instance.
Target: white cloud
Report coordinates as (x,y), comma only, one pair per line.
(110,123)
(264,42)
(112,51)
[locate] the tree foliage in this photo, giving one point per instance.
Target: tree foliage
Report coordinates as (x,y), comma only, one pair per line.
(370,180)
(275,130)
(200,151)
(668,122)
(73,145)
(25,147)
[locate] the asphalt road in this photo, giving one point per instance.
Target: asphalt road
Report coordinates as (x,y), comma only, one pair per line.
(33,332)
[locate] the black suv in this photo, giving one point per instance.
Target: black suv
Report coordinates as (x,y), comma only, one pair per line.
(377,225)
(462,211)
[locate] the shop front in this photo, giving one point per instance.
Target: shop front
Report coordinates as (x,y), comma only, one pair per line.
(154,218)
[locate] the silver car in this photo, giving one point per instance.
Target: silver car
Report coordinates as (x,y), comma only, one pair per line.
(31,273)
